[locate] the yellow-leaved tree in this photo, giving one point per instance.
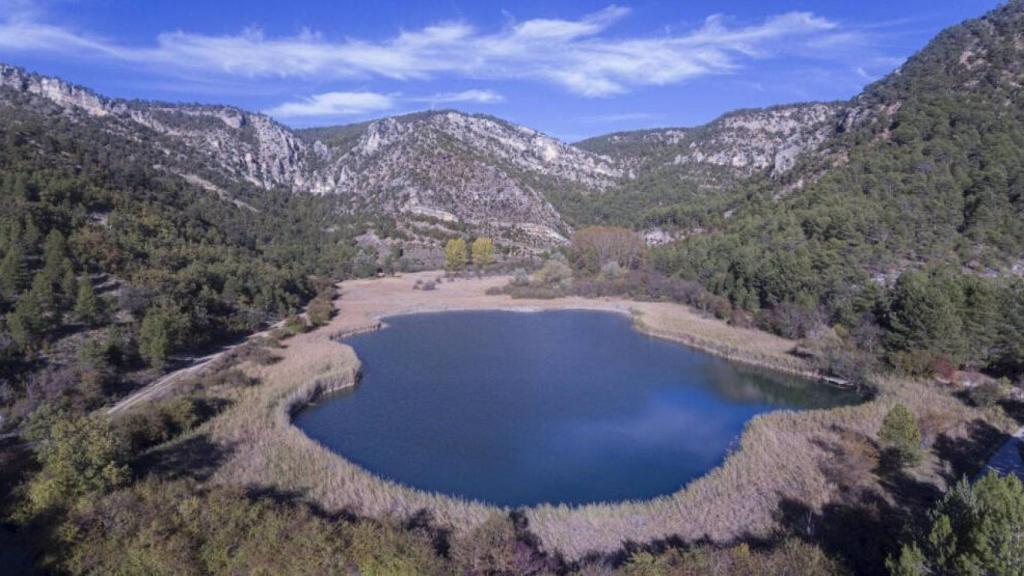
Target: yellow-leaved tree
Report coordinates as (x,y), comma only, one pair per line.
(455,254)
(483,252)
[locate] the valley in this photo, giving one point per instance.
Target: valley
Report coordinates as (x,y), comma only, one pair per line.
(184,288)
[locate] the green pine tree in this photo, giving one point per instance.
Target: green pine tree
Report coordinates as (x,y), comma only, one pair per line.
(87,305)
(901,435)
(13,274)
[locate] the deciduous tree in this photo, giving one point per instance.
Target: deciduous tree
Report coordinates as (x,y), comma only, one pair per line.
(483,252)
(455,254)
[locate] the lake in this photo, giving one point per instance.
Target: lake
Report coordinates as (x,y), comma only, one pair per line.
(570,407)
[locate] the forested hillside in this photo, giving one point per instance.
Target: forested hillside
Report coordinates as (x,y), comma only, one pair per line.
(109,264)
(681,176)
(923,183)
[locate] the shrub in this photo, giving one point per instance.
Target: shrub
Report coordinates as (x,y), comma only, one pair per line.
(520,278)
(295,325)
(498,547)
(941,367)
(912,362)
(986,394)
(554,273)
(320,310)
(611,270)
(901,435)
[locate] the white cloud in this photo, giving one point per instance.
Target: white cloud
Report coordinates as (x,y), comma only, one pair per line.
(334,104)
(575,54)
(474,95)
(359,103)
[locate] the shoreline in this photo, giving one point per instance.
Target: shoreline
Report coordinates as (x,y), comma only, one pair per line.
(778,456)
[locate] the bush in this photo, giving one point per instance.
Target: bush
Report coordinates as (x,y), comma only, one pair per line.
(520,278)
(554,273)
(986,394)
(611,270)
(320,310)
(901,436)
(295,325)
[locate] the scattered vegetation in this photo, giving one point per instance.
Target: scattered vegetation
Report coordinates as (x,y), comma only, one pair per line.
(901,436)
(974,529)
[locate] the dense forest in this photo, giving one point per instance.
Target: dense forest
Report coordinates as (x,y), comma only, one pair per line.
(908,226)
(110,265)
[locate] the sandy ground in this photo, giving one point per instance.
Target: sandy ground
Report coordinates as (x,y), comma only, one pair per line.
(364,303)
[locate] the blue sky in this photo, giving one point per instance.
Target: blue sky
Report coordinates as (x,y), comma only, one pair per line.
(572,68)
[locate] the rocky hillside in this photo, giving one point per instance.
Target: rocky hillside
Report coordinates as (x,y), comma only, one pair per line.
(452,167)
(447,171)
(737,145)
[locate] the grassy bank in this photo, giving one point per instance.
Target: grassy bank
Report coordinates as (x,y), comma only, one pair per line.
(784,459)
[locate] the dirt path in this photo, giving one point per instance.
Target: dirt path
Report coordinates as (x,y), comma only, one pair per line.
(164,384)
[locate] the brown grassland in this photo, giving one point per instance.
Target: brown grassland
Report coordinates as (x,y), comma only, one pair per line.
(784,461)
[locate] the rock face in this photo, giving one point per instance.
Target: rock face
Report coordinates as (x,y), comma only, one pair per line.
(737,145)
(442,168)
(440,172)
(238,145)
(455,167)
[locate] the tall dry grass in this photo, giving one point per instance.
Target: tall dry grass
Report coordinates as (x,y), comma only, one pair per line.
(781,455)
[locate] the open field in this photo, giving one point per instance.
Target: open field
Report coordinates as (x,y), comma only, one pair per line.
(782,457)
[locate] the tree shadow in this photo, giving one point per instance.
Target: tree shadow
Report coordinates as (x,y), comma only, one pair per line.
(423,522)
(196,458)
(293,499)
(876,506)
(1013,408)
(968,455)
(860,532)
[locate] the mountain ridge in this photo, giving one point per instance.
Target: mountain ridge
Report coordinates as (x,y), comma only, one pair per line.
(500,178)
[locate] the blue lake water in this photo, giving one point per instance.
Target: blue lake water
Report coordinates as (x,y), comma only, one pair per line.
(561,407)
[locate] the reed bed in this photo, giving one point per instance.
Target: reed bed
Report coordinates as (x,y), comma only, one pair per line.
(781,455)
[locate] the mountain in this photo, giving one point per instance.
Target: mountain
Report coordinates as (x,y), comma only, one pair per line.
(420,178)
(678,177)
(432,172)
(737,145)
(925,169)
(452,167)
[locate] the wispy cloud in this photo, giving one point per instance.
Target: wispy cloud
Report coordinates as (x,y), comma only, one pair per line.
(575,54)
(474,95)
(361,103)
(334,104)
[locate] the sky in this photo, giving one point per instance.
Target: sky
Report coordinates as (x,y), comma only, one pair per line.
(571,68)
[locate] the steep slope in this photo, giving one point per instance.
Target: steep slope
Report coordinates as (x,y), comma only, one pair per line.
(926,169)
(676,178)
(737,145)
(448,171)
(220,144)
(453,167)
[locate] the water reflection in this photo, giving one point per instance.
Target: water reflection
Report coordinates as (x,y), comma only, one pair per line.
(518,409)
